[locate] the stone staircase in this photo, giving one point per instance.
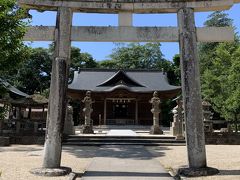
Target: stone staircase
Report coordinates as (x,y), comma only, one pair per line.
(98,140)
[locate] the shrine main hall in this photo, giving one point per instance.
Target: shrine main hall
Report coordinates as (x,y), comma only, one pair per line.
(121,97)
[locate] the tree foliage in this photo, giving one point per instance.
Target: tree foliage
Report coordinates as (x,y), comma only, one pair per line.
(35,73)
(207,50)
(12,49)
(222,82)
(218,19)
(143,56)
(220,67)
(81,60)
(174,74)
(137,56)
(12,29)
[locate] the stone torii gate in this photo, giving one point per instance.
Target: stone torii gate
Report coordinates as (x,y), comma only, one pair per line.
(186,34)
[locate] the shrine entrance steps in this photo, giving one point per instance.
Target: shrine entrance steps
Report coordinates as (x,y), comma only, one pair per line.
(104,139)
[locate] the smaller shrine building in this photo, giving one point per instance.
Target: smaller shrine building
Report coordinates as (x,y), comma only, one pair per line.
(121,96)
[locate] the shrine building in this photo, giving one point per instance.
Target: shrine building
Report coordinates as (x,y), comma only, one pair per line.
(121,96)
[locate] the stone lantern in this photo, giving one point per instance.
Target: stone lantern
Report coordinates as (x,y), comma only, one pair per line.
(155,101)
(69,124)
(177,127)
(207,116)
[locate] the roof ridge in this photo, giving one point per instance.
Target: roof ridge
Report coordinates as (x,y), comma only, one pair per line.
(118,69)
(119,73)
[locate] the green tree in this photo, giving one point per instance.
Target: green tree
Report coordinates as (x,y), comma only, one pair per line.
(12,49)
(207,50)
(219,63)
(222,82)
(147,56)
(108,64)
(81,60)
(137,56)
(231,106)
(34,74)
(12,29)
(174,73)
(218,19)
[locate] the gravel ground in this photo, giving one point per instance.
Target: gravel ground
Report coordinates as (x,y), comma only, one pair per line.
(17,160)
(226,158)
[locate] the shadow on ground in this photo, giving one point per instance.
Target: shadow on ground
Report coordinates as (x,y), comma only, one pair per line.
(229,172)
(130,152)
(21,148)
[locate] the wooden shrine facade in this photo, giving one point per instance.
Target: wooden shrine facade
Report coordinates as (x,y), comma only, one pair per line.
(121,97)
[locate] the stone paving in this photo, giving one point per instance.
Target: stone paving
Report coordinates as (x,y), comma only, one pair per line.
(125,163)
(123,132)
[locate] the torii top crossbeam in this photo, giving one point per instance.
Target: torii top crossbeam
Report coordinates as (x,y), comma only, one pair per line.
(133,6)
(128,34)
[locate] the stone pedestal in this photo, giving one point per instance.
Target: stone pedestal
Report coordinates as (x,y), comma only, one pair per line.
(155,129)
(87,129)
(176,128)
(60,171)
(69,124)
(18,127)
(196,172)
(229,128)
(175,123)
(35,127)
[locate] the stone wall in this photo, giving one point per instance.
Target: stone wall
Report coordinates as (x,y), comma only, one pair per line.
(27,140)
(223,138)
(4,141)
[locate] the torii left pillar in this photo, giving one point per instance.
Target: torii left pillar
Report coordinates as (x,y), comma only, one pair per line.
(57,98)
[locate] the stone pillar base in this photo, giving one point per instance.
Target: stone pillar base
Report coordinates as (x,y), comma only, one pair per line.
(180,137)
(87,129)
(61,171)
(174,128)
(196,172)
(156,130)
(69,129)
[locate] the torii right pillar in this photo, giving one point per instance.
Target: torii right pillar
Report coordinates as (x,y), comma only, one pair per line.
(192,100)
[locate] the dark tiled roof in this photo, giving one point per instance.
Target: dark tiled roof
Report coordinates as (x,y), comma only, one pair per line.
(103,80)
(33,100)
(13,89)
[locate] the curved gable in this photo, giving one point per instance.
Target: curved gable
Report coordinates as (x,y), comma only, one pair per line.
(120,78)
